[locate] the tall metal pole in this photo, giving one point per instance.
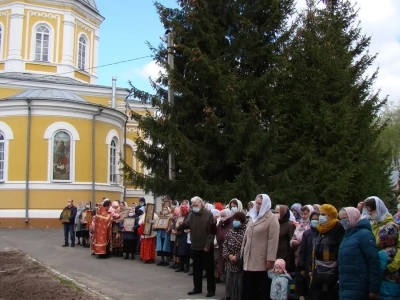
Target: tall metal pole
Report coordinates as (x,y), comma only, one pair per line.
(171,155)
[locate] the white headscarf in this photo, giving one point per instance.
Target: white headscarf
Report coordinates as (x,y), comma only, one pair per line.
(265,207)
(215,212)
(381,209)
(228,212)
(292,217)
(209,206)
(240,205)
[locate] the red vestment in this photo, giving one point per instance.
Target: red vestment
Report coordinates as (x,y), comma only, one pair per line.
(102,231)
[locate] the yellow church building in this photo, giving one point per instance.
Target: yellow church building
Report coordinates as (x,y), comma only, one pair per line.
(61,135)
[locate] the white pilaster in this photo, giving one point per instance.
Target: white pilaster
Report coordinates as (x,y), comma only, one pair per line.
(69,40)
(95,52)
(14,58)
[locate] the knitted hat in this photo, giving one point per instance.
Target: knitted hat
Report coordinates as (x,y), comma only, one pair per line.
(329,210)
(240,217)
(388,235)
(281,263)
(219,206)
(353,214)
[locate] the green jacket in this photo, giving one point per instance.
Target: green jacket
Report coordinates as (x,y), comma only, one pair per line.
(395,264)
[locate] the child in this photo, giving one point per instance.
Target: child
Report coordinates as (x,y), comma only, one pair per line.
(388,236)
(280,281)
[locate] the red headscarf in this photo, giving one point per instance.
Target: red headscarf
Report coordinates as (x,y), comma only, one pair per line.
(184,210)
(219,206)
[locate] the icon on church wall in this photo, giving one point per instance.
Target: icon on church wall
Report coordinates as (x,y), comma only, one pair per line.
(61,156)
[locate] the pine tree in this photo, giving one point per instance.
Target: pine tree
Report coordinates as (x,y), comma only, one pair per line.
(223,127)
(333,153)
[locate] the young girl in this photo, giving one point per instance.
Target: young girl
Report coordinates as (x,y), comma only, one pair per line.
(280,281)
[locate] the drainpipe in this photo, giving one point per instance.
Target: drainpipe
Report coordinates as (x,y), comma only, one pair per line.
(114,92)
(28,159)
(126,122)
(94,156)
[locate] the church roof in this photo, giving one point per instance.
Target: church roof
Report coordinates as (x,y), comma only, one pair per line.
(90,3)
(48,94)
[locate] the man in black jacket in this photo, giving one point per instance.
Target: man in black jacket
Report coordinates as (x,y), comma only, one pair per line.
(67,218)
(202,243)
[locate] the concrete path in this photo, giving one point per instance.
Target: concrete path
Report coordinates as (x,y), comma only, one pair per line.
(114,277)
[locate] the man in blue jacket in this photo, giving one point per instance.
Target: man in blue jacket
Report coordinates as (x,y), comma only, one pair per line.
(67,218)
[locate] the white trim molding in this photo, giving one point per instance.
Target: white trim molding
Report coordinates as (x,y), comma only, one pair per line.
(48,185)
(33,213)
(8,135)
(6,130)
(48,134)
(110,135)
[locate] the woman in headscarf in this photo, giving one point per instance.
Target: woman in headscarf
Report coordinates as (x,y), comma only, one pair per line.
(286,230)
(163,240)
(325,255)
(298,233)
(259,248)
(316,207)
(82,219)
(304,265)
(117,217)
(78,230)
(296,210)
(221,229)
(148,241)
(390,289)
(173,244)
(183,248)
(380,219)
(235,205)
(359,274)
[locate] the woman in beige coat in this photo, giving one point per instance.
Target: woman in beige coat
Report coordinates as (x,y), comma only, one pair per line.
(259,249)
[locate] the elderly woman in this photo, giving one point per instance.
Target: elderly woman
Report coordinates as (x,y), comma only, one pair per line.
(359,274)
(221,229)
(78,229)
(325,255)
(381,218)
(259,249)
(296,210)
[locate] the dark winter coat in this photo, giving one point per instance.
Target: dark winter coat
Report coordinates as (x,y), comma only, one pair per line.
(286,231)
(359,270)
(181,240)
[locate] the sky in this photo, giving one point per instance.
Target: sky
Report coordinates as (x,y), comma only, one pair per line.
(129,25)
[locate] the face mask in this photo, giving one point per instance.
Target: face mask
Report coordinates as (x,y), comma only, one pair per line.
(314,223)
(130,215)
(323,220)
(365,214)
(140,204)
(236,223)
(223,218)
(234,209)
(398,206)
(374,216)
(87,206)
(345,223)
(196,209)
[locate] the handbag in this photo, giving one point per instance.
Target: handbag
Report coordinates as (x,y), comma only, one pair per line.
(325,271)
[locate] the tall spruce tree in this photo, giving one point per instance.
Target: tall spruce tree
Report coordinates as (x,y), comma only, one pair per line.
(223,127)
(333,153)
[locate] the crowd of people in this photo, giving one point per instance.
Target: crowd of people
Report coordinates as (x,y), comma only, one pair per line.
(259,252)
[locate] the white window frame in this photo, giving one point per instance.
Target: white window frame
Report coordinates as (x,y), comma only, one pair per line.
(2,156)
(113,136)
(8,135)
(49,134)
(85,67)
(33,42)
(1,40)
(113,173)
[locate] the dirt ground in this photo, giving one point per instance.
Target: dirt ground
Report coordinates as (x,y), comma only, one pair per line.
(24,279)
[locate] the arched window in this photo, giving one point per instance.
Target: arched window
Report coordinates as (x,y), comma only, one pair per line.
(61,156)
(42,43)
(82,52)
(2,157)
(114,161)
